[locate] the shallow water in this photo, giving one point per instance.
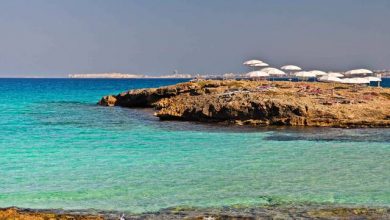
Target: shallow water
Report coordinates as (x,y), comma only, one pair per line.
(59,150)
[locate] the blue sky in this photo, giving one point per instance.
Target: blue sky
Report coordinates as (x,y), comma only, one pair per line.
(57,37)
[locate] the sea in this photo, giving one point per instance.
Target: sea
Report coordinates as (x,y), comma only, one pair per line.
(59,150)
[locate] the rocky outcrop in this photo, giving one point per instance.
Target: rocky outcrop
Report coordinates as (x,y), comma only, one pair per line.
(260,103)
(144,98)
(239,107)
(30,214)
(228,213)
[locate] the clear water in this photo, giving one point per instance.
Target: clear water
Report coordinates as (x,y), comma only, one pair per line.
(59,150)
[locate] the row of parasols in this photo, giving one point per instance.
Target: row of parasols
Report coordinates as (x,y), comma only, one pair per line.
(356,76)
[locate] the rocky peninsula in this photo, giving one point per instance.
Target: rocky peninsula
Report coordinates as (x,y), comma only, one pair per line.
(263,103)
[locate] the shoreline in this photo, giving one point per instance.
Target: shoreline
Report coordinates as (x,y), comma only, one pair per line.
(235,212)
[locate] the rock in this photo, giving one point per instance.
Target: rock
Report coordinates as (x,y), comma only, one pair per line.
(259,104)
(107,101)
(15,213)
(266,212)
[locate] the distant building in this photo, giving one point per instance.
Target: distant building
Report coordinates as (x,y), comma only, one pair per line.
(382,73)
(175,76)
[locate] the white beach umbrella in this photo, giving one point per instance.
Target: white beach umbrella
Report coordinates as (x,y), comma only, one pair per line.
(373,79)
(252,62)
(291,68)
(335,74)
(260,64)
(257,74)
(305,74)
(273,71)
(328,78)
(362,80)
(348,81)
(359,71)
(355,81)
(318,72)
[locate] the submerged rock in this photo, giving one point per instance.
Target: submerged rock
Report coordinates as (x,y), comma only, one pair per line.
(108,101)
(260,104)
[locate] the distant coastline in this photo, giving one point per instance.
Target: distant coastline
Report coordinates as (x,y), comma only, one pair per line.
(127,76)
(113,75)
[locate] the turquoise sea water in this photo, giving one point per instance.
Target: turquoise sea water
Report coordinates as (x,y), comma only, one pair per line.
(59,150)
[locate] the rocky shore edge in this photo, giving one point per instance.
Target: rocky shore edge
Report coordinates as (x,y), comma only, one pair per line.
(271,212)
(263,103)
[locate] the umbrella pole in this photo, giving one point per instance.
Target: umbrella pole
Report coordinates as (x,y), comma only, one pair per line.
(333,85)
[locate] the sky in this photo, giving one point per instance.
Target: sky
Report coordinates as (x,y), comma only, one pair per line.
(54,38)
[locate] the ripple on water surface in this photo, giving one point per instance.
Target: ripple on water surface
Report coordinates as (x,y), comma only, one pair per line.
(63,151)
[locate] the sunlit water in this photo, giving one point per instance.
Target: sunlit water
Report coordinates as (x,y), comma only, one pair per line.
(58,149)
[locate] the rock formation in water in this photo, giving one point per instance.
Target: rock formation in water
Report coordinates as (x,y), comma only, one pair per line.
(263,103)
